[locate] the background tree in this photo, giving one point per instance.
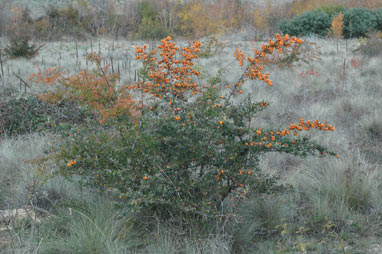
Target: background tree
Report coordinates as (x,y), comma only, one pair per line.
(337,26)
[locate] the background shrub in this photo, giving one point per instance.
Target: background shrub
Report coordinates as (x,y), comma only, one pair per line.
(358,22)
(313,22)
(20,35)
(62,21)
(150,26)
(24,115)
(378,19)
(21,46)
(372,47)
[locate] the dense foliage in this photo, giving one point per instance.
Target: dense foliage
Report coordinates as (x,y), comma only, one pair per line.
(24,115)
(358,22)
(378,19)
(313,22)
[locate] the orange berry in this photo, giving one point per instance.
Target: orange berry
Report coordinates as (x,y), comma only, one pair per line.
(146,177)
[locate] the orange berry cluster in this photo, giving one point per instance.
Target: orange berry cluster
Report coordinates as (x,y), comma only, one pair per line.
(255,68)
(219,175)
(169,75)
(302,125)
(269,139)
(71,163)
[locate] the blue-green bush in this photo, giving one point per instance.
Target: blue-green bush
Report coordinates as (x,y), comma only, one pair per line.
(311,22)
(358,22)
(378,19)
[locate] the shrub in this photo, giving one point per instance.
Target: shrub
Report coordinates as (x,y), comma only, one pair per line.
(62,18)
(22,47)
(372,47)
(150,26)
(43,29)
(378,19)
(24,115)
(312,22)
(189,147)
(358,22)
(97,91)
(152,30)
(20,35)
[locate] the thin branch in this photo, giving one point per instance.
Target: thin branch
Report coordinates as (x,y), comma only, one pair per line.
(22,80)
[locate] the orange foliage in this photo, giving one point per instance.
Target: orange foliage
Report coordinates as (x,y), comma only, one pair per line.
(337,25)
(97,90)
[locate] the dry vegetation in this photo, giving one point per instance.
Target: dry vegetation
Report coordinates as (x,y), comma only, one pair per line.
(330,205)
(342,88)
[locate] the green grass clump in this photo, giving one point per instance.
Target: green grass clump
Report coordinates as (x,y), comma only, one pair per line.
(94,227)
